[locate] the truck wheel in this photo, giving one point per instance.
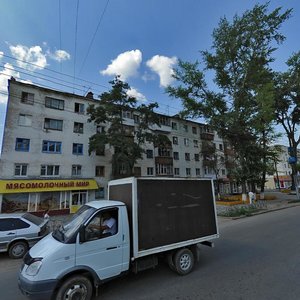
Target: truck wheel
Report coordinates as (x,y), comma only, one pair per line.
(184,261)
(17,249)
(171,262)
(77,287)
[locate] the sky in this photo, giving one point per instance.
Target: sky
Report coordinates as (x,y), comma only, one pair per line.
(79,46)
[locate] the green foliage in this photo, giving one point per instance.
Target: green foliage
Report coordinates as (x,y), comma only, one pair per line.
(241,107)
(126,141)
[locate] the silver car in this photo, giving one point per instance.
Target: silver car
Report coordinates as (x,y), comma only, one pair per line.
(19,231)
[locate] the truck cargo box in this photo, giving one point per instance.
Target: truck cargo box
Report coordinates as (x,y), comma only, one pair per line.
(166,213)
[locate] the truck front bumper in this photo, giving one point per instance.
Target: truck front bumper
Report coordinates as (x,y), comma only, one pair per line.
(36,290)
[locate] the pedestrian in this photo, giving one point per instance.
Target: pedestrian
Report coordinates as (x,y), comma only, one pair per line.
(46,215)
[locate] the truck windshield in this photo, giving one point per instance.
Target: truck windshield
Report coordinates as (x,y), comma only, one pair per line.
(71,226)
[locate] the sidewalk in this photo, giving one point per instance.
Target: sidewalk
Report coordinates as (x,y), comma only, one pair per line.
(282,201)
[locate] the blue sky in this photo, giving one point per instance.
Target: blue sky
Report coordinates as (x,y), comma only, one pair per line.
(79,46)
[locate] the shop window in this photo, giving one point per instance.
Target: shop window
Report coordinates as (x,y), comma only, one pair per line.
(49,200)
(25,120)
(79,197)
(76,170)
(54,103)
(53,124)
(21,169)
(79,108)
(77,149)
(14,202)
(51,147)
(78,127)
(22,144)
(100,171)
(27,98)
(50,170)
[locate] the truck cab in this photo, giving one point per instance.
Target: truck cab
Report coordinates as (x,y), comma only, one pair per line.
(79,255)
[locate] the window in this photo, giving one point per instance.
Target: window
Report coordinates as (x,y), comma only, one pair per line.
(77,149)
(76,170)
(194,130)
(127,114)
(197,172)
(54,103)
(22,144)
(100,129)
(79,108)
(136,119)
(163,169)
(174,126)
(186,142)
(188,171)
(102,225)
(8,224)
(49,170)
(99,194)
(223,172)
(53,124)
(163,120)
(176,171)
(51,147)
(27,98)
(25,120)
(79,197)
(187,156)
(78,127)
(164,152)
(100,171)
(176,155)
(175,140)
(197,157)
(149,153)
(185,128)
(21,169)
(196,143)
(221,147)
(150,171)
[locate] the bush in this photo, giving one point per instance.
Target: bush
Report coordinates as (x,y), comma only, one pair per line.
(240,211)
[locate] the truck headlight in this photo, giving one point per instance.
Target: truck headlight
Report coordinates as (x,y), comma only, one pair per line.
(33,268)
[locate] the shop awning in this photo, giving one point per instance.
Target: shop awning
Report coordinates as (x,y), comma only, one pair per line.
(47,185)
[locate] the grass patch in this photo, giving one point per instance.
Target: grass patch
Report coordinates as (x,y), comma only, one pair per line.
(240,211)
(294,201)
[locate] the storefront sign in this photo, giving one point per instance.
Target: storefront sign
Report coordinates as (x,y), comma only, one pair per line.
(31,186)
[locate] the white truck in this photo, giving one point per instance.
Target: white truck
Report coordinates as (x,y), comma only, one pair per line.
(154,217)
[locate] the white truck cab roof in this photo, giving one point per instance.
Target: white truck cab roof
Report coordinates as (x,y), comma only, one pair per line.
(104,203)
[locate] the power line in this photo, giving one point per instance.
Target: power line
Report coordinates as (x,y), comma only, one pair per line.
(59,25)
(93,38)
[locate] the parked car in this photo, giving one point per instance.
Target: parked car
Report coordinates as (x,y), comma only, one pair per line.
(19,231)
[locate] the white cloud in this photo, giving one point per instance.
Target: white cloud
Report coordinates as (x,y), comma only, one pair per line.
(31,58)
(1,54)
(162,65)
(6,73)
(126,64)
(136,94)
(60,55)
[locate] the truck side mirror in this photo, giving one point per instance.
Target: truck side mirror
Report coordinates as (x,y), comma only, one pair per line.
(82,234)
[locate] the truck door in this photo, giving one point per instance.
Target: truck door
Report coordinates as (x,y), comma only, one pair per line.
(102,249)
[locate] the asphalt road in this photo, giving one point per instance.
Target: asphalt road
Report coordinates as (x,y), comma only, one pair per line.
(255,258)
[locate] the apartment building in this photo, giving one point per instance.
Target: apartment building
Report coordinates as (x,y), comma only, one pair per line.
(45,161)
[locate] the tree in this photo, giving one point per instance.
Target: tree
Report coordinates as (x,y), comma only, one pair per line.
(127,141)
(236,107)
(288,105)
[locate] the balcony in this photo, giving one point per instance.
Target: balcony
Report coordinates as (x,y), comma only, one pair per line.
(208,136)
(162,160)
